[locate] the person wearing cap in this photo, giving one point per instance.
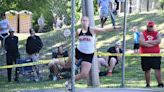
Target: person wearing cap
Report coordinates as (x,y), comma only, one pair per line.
(113,60)
(12,52)
(149,44)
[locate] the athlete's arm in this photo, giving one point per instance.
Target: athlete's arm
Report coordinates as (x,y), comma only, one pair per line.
(98,30)
(77,32)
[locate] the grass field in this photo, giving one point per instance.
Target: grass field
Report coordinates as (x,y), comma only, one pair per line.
(134,77)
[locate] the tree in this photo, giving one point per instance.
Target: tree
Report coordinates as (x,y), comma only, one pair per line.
(130,8)
(88,10)
(37,7)
(161,4)
(147,8)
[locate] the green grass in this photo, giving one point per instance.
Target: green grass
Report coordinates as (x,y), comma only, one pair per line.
(134,77)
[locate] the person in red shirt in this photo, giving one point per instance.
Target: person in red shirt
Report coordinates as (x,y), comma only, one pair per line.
(149,43)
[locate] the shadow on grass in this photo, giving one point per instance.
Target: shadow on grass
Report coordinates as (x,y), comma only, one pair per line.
(134,76)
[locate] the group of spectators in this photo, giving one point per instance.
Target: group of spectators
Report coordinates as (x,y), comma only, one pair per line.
(10,45)
(144,42)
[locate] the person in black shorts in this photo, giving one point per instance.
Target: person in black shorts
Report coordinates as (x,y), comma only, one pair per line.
(136,36)
(149,43)
(136,46)
(86,48)
(148,63)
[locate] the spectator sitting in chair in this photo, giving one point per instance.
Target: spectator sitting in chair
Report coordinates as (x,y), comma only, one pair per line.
(114,60)
(53,66)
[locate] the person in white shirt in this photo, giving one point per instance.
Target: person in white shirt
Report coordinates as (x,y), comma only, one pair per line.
(59,22)
(4,28)
(85,48)
(41,23)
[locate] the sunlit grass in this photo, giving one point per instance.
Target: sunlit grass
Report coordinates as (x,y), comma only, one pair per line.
(134,76)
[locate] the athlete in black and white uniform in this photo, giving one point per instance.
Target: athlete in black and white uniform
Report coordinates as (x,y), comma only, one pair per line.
(85,48)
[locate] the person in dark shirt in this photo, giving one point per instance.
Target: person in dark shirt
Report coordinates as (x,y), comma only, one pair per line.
(53,66)
(113,60)
(11,47)
(60,53)
(33,45)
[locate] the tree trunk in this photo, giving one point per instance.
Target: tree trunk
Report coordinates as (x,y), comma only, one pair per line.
(84,7)
(147,5)
(93,79)
(140,5)
(130,7)
(153,4)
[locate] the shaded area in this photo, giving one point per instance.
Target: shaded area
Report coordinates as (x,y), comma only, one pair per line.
(134,76)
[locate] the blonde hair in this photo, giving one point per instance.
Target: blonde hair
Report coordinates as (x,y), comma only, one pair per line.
(84,17)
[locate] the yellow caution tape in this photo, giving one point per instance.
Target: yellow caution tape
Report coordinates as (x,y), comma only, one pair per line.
(26,64)
(98,53)
(129,54)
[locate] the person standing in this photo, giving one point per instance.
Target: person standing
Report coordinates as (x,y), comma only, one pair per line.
(60,22)
(11,47)
(4,29)
(33,45)
(117,5)
(41,23)
(106,9)
(4,25)
(149,43)
(136,36)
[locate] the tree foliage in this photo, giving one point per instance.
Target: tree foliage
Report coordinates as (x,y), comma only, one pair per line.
(162,3)
(37,7)
(45,7)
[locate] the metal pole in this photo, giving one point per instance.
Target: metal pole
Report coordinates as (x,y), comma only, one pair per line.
(73,46)
(124,46)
